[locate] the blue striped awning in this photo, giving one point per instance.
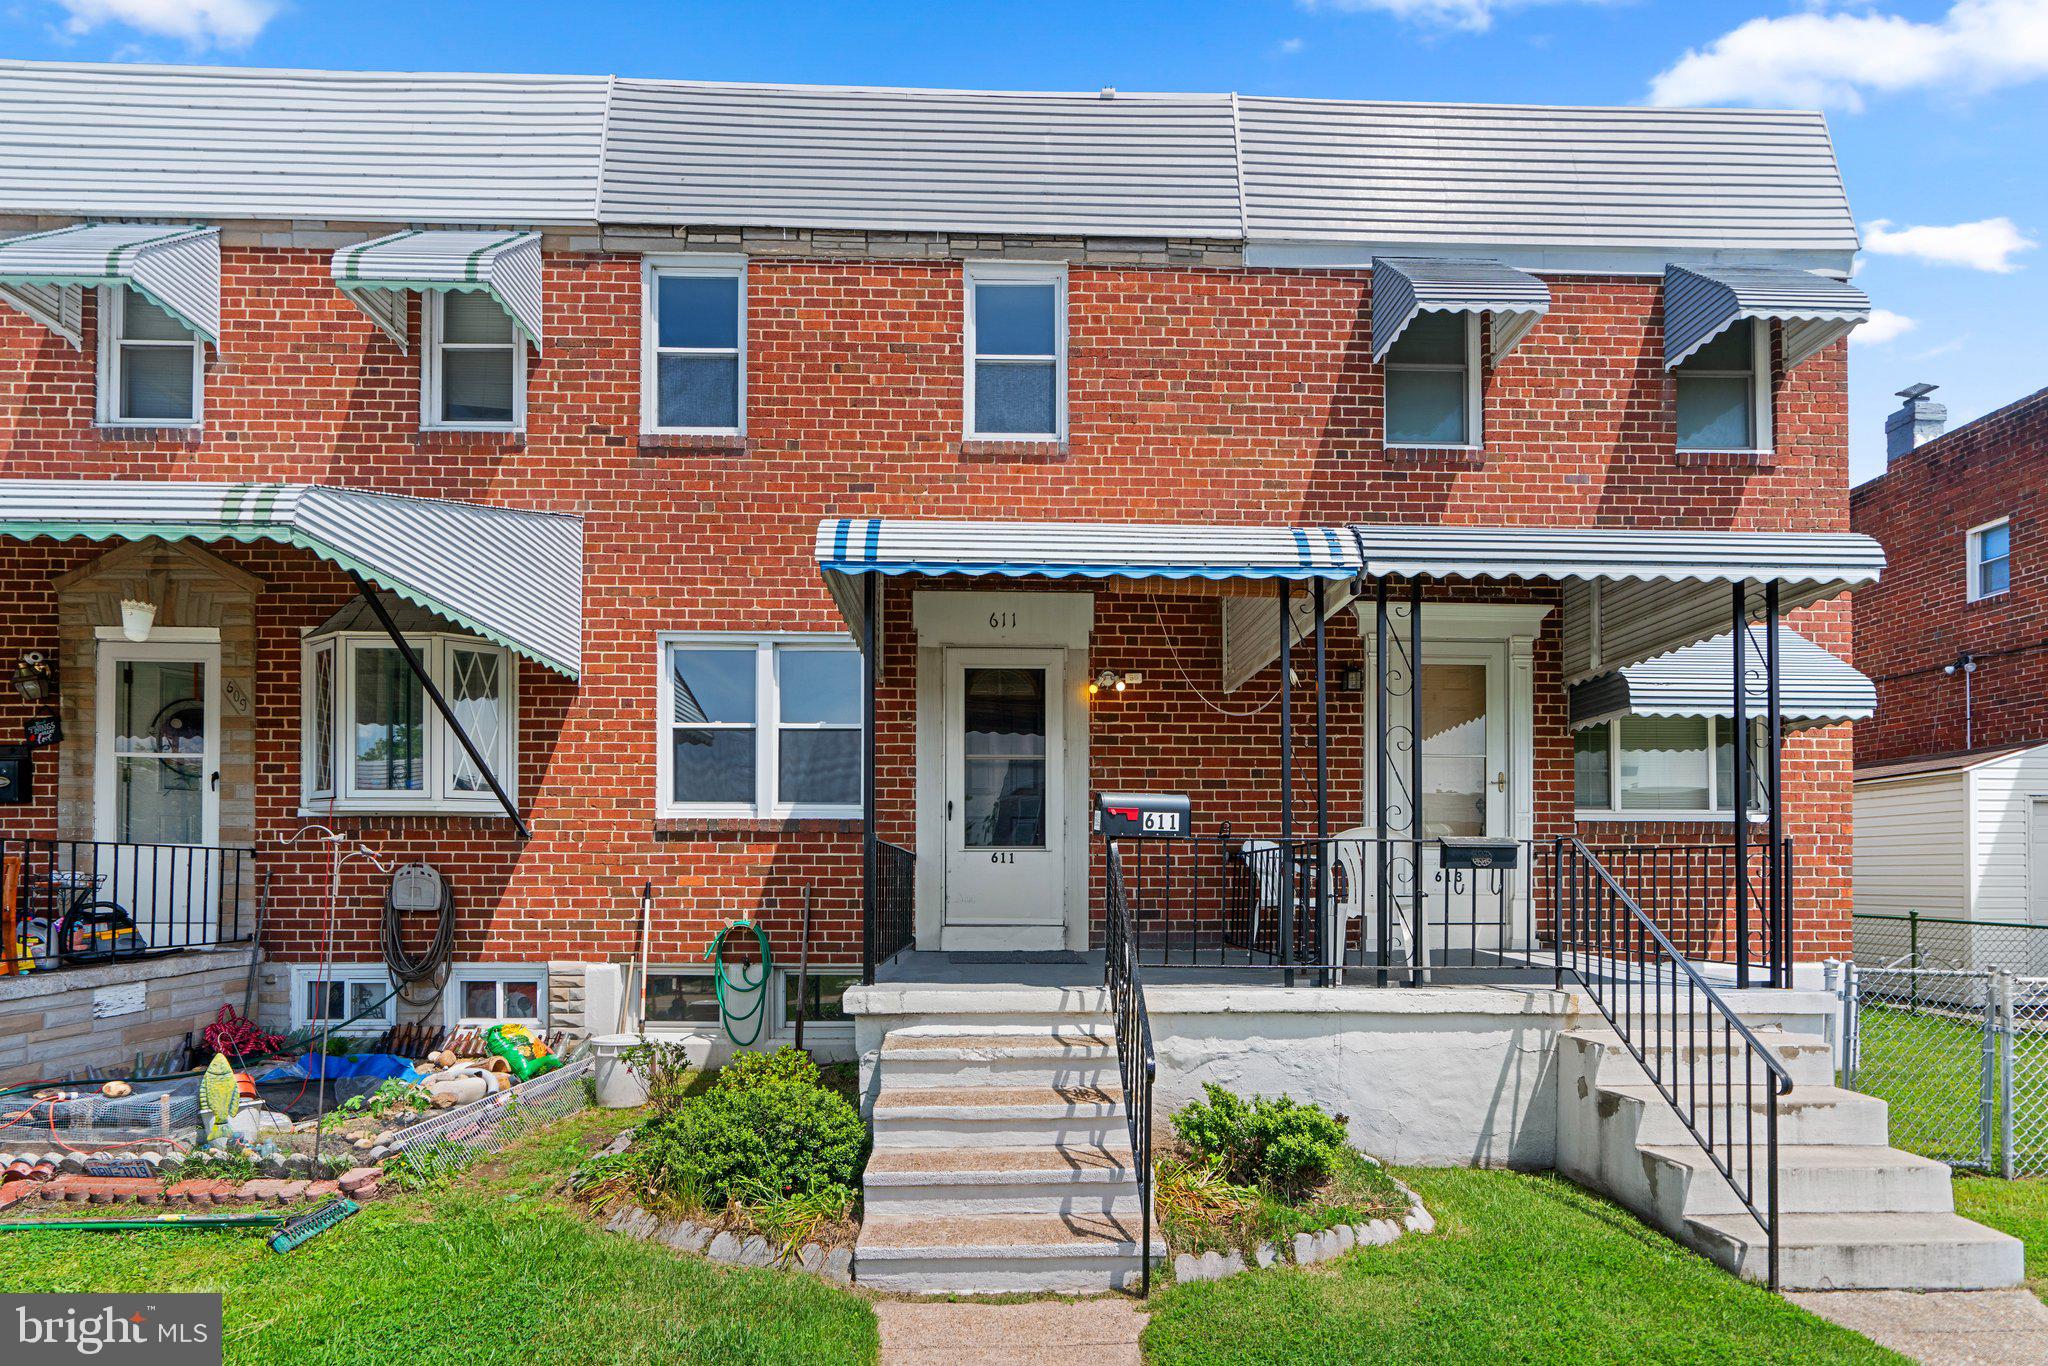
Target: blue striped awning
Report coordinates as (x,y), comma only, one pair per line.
(377,276)
(1815,687)
(1403,286)
(45,274)
(1702,302)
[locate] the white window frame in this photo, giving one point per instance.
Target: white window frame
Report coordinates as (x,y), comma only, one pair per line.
(437,794)
(785,992)
(108,405)
(1474,396)
(1761,427)
(432,349)
(767,725)
(1015,272)
(463,974)
(1713,811)
(652,270)
(304,975)
(668,1028)
(1973,554)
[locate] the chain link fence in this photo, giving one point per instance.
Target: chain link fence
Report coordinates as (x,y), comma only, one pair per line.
(1913,940)
(1960,1057)
(452,1141)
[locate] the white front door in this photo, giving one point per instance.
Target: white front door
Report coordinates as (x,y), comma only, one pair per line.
(1467,784)
(157,777)
(1004,744)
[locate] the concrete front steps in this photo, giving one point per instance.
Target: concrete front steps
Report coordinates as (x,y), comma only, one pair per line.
(1002,1163)
(1855,1213)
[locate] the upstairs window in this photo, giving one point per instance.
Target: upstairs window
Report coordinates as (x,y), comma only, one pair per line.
(152,370)
(1990,559)
(1432,382)
(475,365)
(760,727)
(1017,351)
(1724,395)
(694,370)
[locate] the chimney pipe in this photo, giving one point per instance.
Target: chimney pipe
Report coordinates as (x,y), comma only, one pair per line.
(1918,420)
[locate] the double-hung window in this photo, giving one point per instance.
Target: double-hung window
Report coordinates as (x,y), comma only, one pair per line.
(1724,392)
(1990,559)
(474,365)
(152,369)
(1663,767)
(372,740)
(1016,351)
(693,347)
(764,726)
(1432,382)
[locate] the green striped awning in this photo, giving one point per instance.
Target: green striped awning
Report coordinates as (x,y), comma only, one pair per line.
(377,276)
(45,274)
(510,576)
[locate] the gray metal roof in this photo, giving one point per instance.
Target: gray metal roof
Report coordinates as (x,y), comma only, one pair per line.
(1815,687)
(1702,302)
(922,160)
(199,142)
(44,274)
(1483,175)
(510,576)
(1403,286)
(507,266)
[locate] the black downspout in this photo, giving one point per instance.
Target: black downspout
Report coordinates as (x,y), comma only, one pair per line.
(1382,885)
(1421,940)
(419,671)
(1287,866)
(1774,722)
(870,673)
(1328,922)
(1740,800)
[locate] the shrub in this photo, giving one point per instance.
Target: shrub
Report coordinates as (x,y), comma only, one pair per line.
(770,1138)
(1282,1145)
(756,1069)
(664,1069)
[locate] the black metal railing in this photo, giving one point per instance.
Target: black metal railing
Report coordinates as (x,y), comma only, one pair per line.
(1719,1078)
(77,903)
(895,902)
(1405,909)
(1691,891)
(1137,1063)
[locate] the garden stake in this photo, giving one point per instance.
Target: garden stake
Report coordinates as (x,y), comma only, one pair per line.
(803,971)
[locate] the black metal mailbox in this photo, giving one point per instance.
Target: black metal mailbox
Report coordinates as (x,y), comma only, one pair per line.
(1142,815)
(1469,852)
(17,775)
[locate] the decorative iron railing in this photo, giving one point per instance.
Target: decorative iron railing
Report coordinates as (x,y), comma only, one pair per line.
(77,903)
(1691,891)
(895,904)
(1136,1061)
(1719,1078)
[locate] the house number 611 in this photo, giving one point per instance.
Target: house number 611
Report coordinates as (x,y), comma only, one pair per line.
(1002,858)
(1002,621)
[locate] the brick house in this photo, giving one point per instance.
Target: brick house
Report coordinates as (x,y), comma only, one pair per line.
(778,497)
(1952,776)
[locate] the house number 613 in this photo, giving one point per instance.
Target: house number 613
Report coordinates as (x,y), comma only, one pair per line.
(1002,858)
(1002,621)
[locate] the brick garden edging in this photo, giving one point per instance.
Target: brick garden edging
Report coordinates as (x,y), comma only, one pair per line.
(72,1188)
(720,1245)
(1308,1248)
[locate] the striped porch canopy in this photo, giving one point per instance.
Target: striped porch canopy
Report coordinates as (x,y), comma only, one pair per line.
(848,547)
(45,274)
(1815,687)
(1403,286)
(1702,302)
(510,576)
(1631,595)
(377,276)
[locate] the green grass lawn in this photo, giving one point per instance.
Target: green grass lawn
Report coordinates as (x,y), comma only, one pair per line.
(2016,1207)
(1929,1069)
(1522,1268)
(495,1267)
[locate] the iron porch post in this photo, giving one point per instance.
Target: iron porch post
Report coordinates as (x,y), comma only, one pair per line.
(1383,911)
(1420,941)
(870,673)
(1327,924)
(1774,723)
(1290,901)
(1740,801)
(419,671)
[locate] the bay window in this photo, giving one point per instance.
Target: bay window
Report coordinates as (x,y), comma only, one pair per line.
(1663,768)
(760,726)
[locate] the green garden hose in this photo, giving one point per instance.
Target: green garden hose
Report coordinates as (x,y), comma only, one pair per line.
(721,983)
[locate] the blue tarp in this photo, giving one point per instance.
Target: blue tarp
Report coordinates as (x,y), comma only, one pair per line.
(377,1065)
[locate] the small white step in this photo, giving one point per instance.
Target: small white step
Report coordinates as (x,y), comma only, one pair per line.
(1809,1060)
(1823,1178)
(998,1254)
(1064,1055)
(1046,1179)
(1901,1251)
(990,1116)
(1809,1115)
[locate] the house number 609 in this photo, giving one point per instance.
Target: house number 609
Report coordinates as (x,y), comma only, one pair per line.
(1002,858)
(1002,621)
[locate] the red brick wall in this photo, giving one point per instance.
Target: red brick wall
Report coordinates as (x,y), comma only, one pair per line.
(1917,619)
(1196,394)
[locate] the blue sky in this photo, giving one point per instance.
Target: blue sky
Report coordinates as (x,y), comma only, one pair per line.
(1937,107)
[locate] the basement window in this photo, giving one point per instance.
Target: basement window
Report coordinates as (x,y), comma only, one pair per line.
(681,997)
(337,995)
(483,994)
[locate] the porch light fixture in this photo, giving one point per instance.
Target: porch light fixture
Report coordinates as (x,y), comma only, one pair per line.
(136,618)
(1109,680)
(35,677)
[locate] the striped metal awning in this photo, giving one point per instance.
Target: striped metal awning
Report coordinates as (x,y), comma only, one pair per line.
(45,274)
(1815,687)
(1403,286)
(1702,302)
(507,575)
(377,276)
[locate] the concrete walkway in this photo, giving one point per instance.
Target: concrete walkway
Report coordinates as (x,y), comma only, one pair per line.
(1102,1332)
(1942,1327)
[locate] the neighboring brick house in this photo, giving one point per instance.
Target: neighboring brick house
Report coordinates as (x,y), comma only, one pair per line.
(739,323)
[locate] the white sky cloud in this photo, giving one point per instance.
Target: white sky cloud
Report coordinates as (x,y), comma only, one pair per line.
(1884,326)
(1837,58)
(1987,244)
(200,23)
(1473,16)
